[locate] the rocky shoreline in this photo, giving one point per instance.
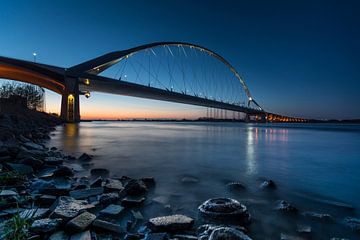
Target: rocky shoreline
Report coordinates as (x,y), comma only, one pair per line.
(42,197)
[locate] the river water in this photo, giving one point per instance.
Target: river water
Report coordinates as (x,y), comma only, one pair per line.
(315,167)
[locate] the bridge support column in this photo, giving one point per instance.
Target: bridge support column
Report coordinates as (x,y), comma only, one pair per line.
(70,105)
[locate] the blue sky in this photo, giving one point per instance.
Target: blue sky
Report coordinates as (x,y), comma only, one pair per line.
(299,58)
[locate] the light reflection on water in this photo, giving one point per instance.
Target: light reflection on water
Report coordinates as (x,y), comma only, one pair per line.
(315,159)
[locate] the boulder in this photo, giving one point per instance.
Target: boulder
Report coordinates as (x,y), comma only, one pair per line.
(134,236)
(68,207)
(80,223)
(53,161)
(133,201)
(20,168)
(108,226)
(108,198)
(33,146)
(84,157)
(63,171)
(285,207)
(46,225)
(32,162)
(135,187)
(268,184)
(148,181)
(85,193)
(225,209)
(112,210)
(113,185)
(228,233)
(171,223)
(235,186)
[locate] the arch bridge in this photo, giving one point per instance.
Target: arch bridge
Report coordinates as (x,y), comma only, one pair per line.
(168,71)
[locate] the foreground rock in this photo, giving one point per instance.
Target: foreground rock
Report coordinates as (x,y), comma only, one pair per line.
(268,184)
(108,226)
(285,207)
(46,225)
(171,223)
(85,193)
(80,223)
(68,207)
(225,209)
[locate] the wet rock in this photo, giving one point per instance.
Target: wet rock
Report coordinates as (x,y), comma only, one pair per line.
(235,186)
(225,209)
(113,185)
(81,236)
(85,193)
(135,187)
(133,201)
(228,233)
(108,226)
(171,223)
(32,162)
(63,171)
(46,225)
(68,207)
(335,238)
(112,210)
(100,172)
(46,200)
(97,182)
(59,235)
(20,168)
(189,180)
(157,236)
(268,184)
(205,231)
(80,223)
(352,223)
(39,184)
(34,213)
(324,217)
(148,181)
(284,236)
(108,198)
(84,157)
(285,207)
(33,146)
(8,193)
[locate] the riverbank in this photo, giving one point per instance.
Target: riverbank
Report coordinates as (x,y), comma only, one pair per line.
(43,191)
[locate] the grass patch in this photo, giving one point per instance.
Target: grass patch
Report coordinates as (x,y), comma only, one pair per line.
(17,228)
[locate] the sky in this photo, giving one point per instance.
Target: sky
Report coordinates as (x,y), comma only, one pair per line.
(299,58)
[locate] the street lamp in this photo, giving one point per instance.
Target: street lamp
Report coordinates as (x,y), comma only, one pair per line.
(34,55)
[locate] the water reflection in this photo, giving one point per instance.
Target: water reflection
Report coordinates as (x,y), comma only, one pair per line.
(70,137)
(252,140)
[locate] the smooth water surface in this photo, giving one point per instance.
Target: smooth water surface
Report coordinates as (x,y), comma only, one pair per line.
(310,163)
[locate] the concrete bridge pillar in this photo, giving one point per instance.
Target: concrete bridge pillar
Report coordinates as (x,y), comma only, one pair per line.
(70,105)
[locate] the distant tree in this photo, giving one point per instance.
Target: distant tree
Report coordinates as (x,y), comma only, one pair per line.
(34,95)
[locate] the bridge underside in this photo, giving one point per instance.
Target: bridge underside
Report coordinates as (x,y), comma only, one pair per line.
(107,85)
